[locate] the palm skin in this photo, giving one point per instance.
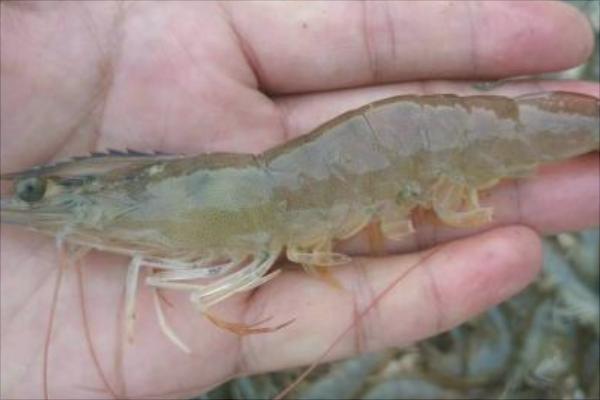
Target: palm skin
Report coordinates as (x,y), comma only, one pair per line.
(198,77)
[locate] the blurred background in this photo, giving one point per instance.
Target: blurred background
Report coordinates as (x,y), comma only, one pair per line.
(543,343)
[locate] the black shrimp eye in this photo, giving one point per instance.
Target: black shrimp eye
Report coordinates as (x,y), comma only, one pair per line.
(31,189)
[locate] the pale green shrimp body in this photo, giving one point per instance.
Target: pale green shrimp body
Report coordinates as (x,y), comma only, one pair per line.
(214,224)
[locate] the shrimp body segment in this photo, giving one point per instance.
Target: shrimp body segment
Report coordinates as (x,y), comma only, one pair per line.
(214,224)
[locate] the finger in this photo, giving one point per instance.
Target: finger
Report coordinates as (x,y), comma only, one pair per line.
(453,284)
(320,46)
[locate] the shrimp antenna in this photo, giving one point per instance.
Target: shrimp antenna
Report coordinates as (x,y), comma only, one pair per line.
(88,335)
(62,260)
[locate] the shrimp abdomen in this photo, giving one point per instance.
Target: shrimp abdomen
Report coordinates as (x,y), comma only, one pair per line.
(478,139)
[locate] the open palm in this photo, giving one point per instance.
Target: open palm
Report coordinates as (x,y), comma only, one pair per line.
(198,77)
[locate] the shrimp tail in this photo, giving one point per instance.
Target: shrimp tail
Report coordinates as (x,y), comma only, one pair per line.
(560,125)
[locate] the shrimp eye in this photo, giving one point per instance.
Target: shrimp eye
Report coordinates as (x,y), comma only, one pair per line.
(31,189)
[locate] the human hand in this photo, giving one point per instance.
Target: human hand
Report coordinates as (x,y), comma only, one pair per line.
(197,77)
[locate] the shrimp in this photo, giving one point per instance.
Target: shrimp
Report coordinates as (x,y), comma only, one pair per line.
(213,225)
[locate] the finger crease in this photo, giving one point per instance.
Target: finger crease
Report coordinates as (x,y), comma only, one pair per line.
(472,49)
(371,53)
(247,50)
(366,310)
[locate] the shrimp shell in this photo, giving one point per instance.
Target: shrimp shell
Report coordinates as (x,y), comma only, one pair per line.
(214,224)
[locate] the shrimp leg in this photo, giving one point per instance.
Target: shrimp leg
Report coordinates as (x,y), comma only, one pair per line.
(396,224)
(316,260)
(207,295)
(458,205)
(319,254)
(133,272)
(353,226)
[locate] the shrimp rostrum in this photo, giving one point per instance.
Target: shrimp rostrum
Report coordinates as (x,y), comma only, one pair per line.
(214,224)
